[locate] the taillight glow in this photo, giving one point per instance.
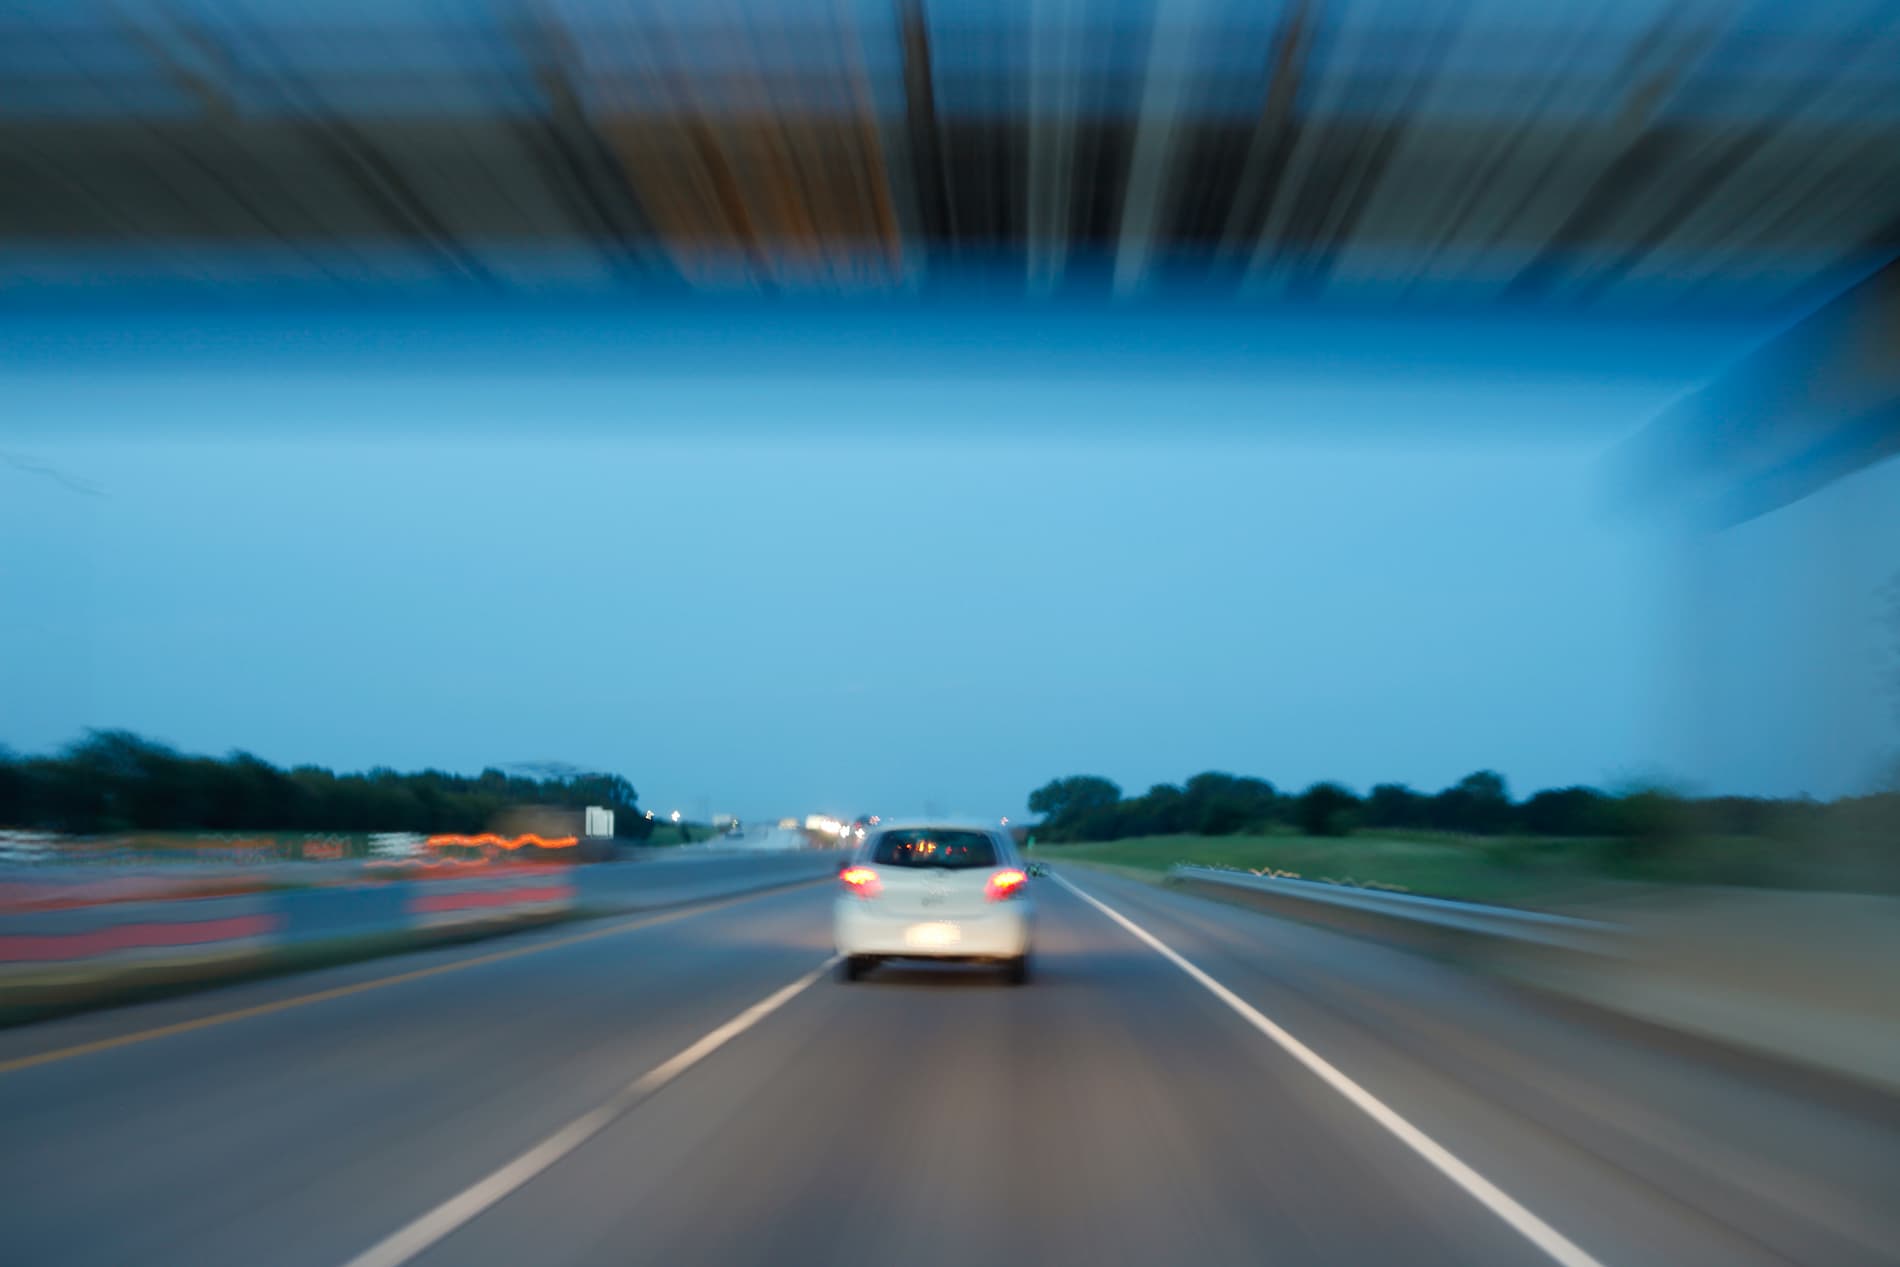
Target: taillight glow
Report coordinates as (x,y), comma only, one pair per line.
(1005,884)
(862,881)
(503,842)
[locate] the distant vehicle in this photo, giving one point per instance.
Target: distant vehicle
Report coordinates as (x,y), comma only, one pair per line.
(734,828)
(934,891)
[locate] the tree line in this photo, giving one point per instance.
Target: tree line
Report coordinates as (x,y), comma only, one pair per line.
(114,780)
(1091,808)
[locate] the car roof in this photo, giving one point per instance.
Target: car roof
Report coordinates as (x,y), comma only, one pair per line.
(938,824)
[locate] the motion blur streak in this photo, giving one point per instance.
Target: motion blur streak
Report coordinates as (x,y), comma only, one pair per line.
(1112,1113)
(410,1241)
(504,842)
(339,992)
(1461,430)
(1539,1233)
(1707,154)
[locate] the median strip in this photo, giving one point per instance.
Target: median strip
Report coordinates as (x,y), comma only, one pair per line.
(361,987)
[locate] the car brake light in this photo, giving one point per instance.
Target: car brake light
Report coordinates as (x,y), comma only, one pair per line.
(861,880)
(1005,884)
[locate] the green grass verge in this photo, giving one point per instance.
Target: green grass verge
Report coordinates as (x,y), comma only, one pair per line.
(1508,870)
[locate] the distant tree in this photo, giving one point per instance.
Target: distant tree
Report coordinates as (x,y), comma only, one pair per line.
(1086,807)
(1850,838)
(1071,797)
(1647,821)
(1162,811)
(1212,784)
(1571,811)
(1104,822)
(1395,805)
(1744,816)
(1221,804)
(1325,810)
(14,788)
(113,780)
(1485,785)
(1477,803)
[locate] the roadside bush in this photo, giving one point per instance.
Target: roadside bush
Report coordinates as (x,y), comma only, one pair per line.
(1571,811)
(1325,810)
(1645,823)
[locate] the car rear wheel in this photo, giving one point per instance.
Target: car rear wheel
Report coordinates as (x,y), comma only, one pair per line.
(1016,971)
(853,967)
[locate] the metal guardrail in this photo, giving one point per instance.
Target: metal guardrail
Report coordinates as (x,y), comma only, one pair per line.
(1403,916)
(1687,967)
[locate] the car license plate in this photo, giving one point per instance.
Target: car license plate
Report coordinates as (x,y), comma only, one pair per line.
(932,936)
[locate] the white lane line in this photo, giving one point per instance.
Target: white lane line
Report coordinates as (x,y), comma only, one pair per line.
(406,1243)
(1555,1244)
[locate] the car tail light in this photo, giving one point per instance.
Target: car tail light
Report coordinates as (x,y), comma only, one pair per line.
(861,880)
(1005,884)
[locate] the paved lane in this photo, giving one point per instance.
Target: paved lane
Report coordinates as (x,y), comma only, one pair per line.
(1104,1115)
(1113,1112)
(1654,1148)
(302,1136)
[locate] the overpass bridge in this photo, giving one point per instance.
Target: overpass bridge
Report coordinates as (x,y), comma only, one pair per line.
(1631,159)
(1641,154)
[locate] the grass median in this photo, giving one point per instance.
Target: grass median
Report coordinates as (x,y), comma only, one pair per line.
(1529,871)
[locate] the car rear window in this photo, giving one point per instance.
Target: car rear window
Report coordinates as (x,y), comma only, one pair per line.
(926,848)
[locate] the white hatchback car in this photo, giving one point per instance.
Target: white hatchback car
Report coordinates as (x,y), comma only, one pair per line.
(934,891)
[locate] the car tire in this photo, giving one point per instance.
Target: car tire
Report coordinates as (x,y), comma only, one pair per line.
(853,967)
(1016,971)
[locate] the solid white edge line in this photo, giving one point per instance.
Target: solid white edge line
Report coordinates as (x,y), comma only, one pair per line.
(407,1242)
(1555,1244)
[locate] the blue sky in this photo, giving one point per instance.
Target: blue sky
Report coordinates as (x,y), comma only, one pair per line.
(856,582)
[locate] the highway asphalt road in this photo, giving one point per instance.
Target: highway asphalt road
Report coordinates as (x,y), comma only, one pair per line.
(690,1086)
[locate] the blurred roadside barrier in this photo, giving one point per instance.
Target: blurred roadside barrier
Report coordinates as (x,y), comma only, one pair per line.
(27,847)
(1811,978)
(71,951)
(48,954)
(1432,924)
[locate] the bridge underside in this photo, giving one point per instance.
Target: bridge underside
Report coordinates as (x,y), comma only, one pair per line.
(1817,402)
(1645,155)
(1647,158)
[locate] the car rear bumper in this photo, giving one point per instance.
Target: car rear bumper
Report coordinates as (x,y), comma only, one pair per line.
(1000,933)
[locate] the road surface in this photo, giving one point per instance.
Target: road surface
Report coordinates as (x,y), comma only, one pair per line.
(691,1086)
